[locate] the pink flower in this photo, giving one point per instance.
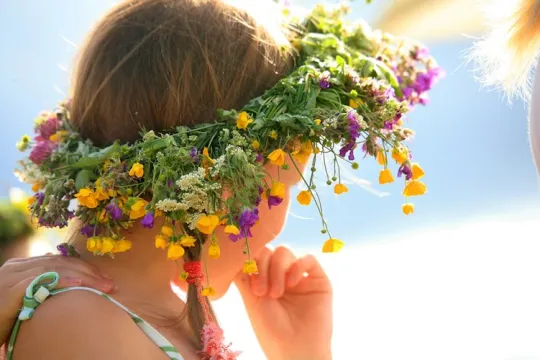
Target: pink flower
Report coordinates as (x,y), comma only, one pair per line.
(41,151)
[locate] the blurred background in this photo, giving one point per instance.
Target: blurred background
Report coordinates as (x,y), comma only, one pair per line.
(459,279)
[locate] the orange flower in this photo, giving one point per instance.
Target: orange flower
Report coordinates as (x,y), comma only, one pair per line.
(415,188)
(332,245)
(278,190)
(277,157)
(207,224)
(304,197)
(407,208)
(417,171)
(175,252)
(400,155)
(340,189)
(161,242)
(386,177)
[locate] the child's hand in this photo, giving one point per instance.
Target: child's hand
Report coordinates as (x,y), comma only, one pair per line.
(291,313)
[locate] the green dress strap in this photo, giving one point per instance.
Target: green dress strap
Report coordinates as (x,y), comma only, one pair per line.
(45,285)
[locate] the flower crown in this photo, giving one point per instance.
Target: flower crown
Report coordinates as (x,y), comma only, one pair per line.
(347,94)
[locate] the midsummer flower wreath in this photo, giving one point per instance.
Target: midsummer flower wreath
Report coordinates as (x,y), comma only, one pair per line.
(346,97)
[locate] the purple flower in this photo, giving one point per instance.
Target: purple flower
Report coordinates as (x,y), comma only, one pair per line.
(114,211)
(420,53)
(354,134)
(246,221)
(48,127)
(41,151)
(194,154)
(63,249)
(39,197)
(169,183)
(259,158)
(89,230)
(324,80)
(405,169)
(274,201)
(148,221)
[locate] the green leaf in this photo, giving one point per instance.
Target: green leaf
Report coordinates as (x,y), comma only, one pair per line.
(88,162)
(82,179)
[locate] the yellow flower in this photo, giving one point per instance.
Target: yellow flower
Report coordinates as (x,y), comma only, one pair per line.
(93,244)
(107,244)
(316,150)
(273,134)
(31,200)
(111,193)
(137,210)
(407,208)
(381,158)
(86,197)
(278,190)
(207,160)
(208,291)
(158,213)
(100,194)
(340,189)
(167,231)
(386,177)
(207,224)
(255,145)
(250,267)
(175,252)
(161,242)
(213,251)
(58,136)
(187,241)
(232,229)
(304,197)
(332,245)
(417,171)
(415,188)
(243,120)
(401,155)
(137,170)
(277,157)
(36,187)
(303,152)
(353,103)
(122,245)
(102,217)
(317,121)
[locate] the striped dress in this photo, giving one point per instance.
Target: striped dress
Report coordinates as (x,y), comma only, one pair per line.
(45,285)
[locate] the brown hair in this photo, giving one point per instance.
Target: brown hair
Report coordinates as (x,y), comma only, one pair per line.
(155,64)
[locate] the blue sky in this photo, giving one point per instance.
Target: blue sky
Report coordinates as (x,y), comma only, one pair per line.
(473,147)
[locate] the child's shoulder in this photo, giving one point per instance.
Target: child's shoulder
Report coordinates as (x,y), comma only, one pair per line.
(82,325)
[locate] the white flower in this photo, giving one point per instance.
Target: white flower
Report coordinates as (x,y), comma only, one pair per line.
(168,205)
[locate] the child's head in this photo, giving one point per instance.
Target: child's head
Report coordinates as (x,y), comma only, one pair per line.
(156,64)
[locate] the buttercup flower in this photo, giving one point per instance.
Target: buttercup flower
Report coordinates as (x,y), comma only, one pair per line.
(137,210)
(86,197)
(250,267)
(121,246)
(187,241)
(278,189)
(414,188)
(340,189)
(401,155)
(214,251)
(207,223)
(304,197)
(107,244)
(303,152)
(407,208)
(243,120)
(381,158)
(175,252)
(167,231)
(161,242)
(277,157)
(100,194)
(417,171)
(273,134)
(332,245)
(386,177)
(232,229)
(137,170)
(93,244)
(255,145)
